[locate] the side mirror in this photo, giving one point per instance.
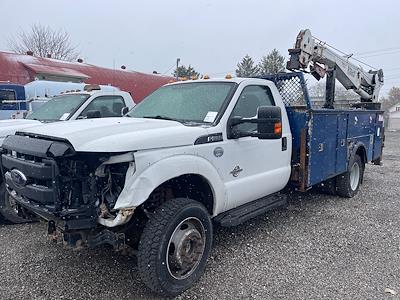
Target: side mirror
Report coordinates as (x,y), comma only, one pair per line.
(269,122)
(92,114)
(124,110)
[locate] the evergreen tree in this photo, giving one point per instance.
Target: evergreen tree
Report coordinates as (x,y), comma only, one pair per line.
(188,72)
(247,68)
(273,63)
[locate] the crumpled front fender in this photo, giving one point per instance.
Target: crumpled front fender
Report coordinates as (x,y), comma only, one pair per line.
(138,187)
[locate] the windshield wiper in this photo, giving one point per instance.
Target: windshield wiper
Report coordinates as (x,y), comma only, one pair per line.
(163,118)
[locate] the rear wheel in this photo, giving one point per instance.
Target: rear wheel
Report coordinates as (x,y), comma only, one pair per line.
(347,184)
(174,246)
(10,210)
(328,187)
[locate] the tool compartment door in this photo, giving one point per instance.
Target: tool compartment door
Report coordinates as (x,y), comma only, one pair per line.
(361,130)
(323,142)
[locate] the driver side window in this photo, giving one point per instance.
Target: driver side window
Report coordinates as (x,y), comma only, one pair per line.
(251,98)
(108,106)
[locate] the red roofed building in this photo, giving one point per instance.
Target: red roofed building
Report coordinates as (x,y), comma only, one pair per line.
(21,69)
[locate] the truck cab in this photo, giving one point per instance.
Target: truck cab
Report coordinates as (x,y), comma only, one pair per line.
(189,153)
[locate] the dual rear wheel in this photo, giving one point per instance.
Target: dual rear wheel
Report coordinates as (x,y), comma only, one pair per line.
(348,184)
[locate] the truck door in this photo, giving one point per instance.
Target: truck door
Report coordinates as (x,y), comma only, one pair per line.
(254,168)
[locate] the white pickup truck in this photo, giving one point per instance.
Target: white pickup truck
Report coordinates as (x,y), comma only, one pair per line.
(92,102)
(189,154)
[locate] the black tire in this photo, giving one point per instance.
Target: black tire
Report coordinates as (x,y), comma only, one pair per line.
(155,259)
(9,212)
(328,187)
(344,185)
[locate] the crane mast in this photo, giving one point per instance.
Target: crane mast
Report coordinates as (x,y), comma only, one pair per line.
(315,56)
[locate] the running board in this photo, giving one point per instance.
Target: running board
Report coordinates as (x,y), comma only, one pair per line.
(241,214)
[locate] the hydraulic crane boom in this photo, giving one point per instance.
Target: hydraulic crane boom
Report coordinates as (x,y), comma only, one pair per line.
(310,53)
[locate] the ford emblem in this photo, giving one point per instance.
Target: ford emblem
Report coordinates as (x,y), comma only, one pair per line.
(18,178)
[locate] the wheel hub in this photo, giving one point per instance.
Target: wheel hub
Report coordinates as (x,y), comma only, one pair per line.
(354,176)
(185,248)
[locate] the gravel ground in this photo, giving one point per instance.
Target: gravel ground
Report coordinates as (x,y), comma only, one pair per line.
(319,247)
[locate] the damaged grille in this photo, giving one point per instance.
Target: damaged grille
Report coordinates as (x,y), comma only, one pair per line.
(35,176)
(51,179)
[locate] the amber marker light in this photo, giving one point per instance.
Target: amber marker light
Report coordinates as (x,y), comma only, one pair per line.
(278,128)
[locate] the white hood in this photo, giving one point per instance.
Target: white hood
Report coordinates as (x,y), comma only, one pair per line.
(10,126)
(120,134)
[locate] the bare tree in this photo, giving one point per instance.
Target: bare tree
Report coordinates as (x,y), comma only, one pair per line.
(318,91)
(44,41)
(392,98)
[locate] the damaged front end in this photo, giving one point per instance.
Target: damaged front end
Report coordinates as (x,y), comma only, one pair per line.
(75,191)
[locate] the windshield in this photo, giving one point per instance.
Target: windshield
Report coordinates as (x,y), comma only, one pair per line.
(189,102)
(58,108)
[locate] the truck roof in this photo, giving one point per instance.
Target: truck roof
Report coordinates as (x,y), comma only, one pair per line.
(93,92)
(233,79)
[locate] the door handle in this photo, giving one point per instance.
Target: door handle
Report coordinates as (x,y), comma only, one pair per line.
(284,143)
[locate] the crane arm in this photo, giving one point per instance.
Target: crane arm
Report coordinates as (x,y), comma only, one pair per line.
(310,53)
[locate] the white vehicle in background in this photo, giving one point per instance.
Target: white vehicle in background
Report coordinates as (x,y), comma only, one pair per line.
(93,102)
(16,101)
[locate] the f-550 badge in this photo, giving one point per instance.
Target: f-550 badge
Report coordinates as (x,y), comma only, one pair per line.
(235,172)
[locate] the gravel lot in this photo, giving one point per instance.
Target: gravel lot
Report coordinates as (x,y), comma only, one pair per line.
(319,247)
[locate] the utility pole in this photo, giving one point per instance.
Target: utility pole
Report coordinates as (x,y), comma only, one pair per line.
(177,65)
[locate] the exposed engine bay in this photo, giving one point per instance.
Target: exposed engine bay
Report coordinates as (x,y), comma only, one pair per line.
(77,190)
(81,183)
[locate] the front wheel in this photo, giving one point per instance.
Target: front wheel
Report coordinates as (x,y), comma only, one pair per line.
(347,184)
(10,210)
(174,246)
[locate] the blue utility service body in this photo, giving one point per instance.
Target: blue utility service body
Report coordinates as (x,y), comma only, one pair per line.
(325,140)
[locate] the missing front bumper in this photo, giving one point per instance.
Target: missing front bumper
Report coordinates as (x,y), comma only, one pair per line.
(78,239)
(81,218)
